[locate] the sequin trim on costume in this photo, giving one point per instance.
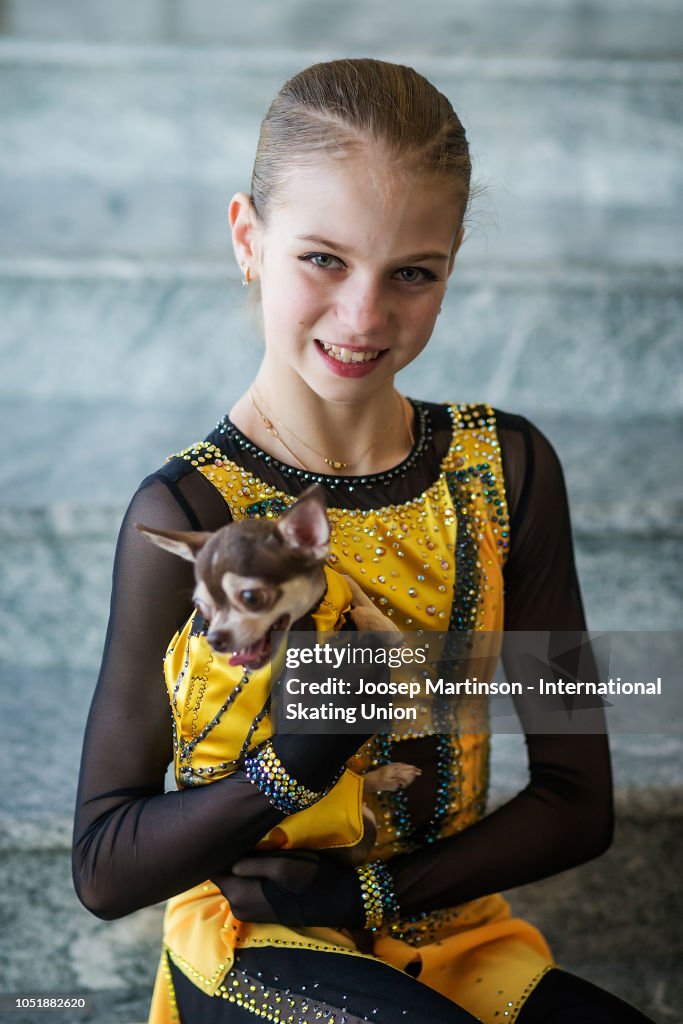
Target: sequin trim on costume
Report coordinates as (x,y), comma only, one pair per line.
(265,770)
(378,894)
(424,928)
(487,474)
(423,436)
(283,1006)
(510,1008)
(269,1002)
(447,802)
(268,508)
(187,774)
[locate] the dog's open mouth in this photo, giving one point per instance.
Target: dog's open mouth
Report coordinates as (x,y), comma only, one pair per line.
(257,654)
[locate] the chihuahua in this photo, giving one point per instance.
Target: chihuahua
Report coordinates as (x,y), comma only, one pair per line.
(256,578)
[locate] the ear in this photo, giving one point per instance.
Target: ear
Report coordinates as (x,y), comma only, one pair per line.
(246,232)
(457,242)
(186,544)
(305,527)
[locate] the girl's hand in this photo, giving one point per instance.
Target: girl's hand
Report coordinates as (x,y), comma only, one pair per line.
(293,887)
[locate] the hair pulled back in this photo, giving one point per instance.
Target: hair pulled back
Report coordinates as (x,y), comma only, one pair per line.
(334,107)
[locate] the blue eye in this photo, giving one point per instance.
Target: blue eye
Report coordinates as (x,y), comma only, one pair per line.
(414,275)
(321,260)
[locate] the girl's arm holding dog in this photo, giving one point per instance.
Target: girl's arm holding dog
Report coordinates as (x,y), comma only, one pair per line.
(134,844)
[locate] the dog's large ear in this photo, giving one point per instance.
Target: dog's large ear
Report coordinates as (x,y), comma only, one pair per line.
(185,543)
(305,527)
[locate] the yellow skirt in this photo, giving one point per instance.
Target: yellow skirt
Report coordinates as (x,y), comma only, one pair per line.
(476,954)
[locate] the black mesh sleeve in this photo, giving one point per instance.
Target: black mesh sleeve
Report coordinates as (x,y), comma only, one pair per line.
(564,816)
(134,844)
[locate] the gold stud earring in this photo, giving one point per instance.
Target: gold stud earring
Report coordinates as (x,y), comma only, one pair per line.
(246,279)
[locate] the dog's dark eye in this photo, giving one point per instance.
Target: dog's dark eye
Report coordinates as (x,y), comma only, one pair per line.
(255,600)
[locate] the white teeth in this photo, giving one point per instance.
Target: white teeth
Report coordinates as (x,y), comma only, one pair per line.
(347,355)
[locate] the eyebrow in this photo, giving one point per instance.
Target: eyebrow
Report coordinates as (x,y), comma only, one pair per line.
(327,243)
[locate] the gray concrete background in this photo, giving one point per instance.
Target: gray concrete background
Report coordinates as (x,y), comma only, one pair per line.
(124,130)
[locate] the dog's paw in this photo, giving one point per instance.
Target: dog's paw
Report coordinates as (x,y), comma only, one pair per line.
(391,777)
(371,620)
(367,618)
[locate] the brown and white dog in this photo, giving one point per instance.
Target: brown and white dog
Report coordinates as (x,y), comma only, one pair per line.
(257,577)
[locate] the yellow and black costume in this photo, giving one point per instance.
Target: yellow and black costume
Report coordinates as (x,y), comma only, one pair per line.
(471,532)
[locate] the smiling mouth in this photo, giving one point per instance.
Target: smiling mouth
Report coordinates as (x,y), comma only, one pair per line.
(349,355)
(257,654)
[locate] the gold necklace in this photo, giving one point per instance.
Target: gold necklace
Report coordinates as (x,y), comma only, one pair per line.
(328,460)
(271,430)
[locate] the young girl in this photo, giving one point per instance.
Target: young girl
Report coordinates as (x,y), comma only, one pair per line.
(448,516)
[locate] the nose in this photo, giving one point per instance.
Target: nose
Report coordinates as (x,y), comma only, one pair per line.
(362,307)
(219,640)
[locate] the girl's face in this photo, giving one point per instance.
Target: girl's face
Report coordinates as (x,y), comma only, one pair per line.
(353,266)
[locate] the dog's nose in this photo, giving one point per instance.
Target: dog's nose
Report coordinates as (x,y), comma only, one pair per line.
(219,641)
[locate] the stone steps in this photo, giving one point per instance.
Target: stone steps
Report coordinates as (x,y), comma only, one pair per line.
(141,165)
(604,29)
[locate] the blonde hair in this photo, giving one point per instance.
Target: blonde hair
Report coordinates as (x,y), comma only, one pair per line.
(337,106)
